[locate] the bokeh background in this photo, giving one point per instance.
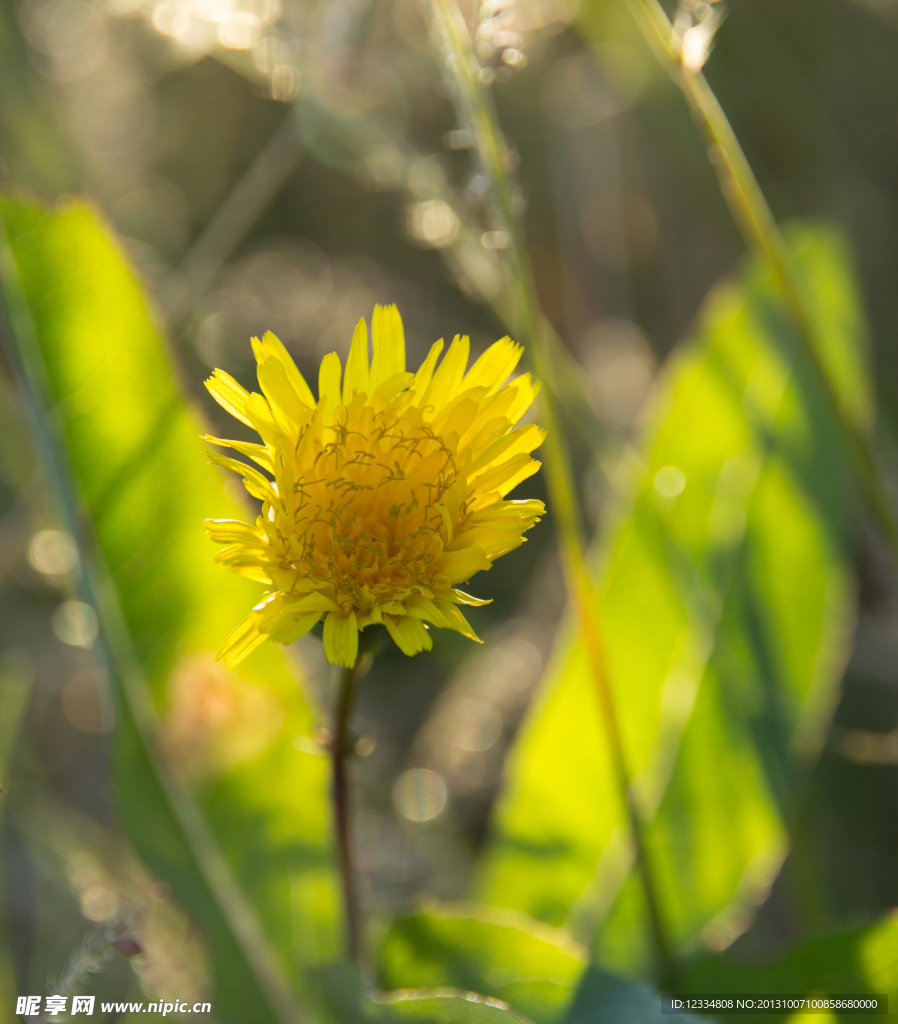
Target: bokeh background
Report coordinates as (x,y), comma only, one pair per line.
(283,165)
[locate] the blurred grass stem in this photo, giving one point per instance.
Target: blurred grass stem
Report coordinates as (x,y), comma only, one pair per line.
(755,220)
(476,107)
(340,751)
(232,221)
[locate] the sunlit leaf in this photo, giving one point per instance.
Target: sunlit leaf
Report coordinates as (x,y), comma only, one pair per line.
(726,606)
(539,971)
(529,965)
(452,1008)
(131,448)
(349,1000)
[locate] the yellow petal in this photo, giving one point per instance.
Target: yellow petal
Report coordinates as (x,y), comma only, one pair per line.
(458,415)
(329,381)
(341,639)
(447,524)
(387,343)
(373,617)
(517,510)
(252,571)
(261,418)
(444,386)
(484,431)
(522,439)
(422,608)
(268,612)
(459,566)
(315,602)
(290,630)
(461,597)
(457,621)
(229,394)
(257,452)
(495,366)
(230,531)
(271,347)
(525,391)
(289,411)
(494,541)
(241,555)
(409,633)
(240,642)
(425,372)
(283,461)
(257,485)
(356,376)
(506,475)
(385,392)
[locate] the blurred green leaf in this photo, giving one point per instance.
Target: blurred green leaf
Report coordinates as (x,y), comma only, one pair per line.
(862,960)
(452,1008)
(533,967)
(352,1001)
(726,607)
(540,971)
(133,451)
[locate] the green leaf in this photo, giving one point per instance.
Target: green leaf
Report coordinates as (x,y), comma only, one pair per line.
(452,1008)
(248,852)
(859,961)
(540,971)
(726,603)
(347,1002)
(533,967)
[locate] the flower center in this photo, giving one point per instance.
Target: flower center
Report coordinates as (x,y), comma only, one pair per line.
(366,511)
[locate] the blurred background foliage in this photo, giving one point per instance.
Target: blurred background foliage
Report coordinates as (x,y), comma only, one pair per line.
(283,165)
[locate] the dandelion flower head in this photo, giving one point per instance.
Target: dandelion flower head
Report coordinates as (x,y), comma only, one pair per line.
(387,492)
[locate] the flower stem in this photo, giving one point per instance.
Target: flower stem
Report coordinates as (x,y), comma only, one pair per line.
(475,107)
(755,220)
(349,679)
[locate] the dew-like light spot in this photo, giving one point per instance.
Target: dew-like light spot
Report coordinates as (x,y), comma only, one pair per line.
(670,481)
(419,794)
(365,745)
(239,31)
(53,553)
(495,239)
(476,723)
(75,623)
(284,83)
(99,902)
(433,222)
(171,18)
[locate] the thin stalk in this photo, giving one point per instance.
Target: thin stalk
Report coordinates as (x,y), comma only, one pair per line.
(476,108)
(339,750)
(755,220)
(232,221)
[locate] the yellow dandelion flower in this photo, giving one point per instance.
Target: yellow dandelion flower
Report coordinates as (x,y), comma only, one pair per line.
(387,492)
